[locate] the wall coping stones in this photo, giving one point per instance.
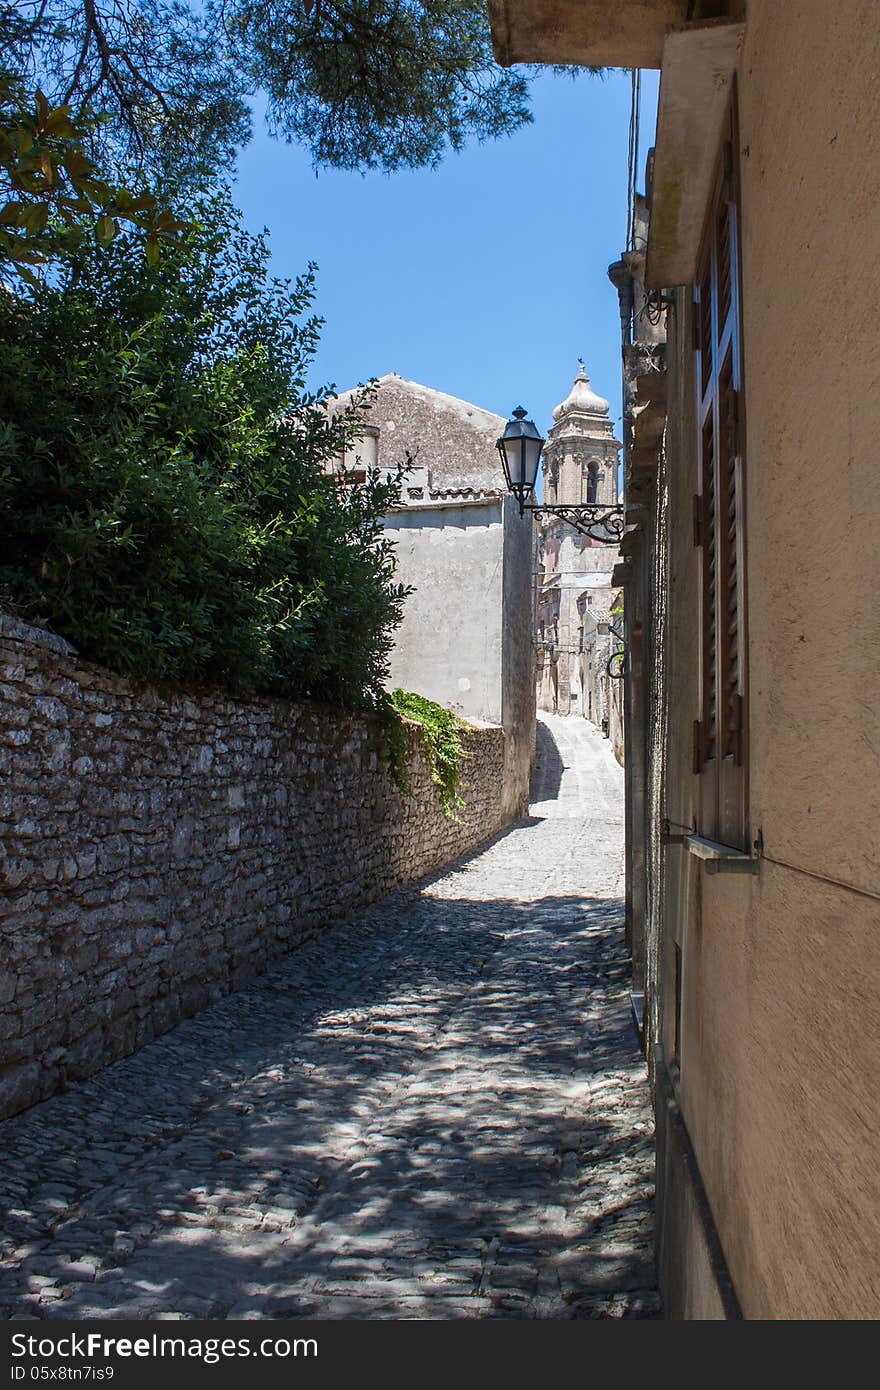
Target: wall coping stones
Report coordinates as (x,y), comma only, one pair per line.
(16,630)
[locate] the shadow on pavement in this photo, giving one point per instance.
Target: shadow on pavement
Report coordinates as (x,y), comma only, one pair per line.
(424,1114)
(549,766)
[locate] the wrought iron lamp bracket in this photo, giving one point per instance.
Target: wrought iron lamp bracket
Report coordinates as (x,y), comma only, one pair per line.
(615,666)
(599,521)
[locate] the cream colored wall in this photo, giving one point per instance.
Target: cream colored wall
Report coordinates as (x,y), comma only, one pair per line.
(811,193)
(449,643)
(781,1102)
(781,1029)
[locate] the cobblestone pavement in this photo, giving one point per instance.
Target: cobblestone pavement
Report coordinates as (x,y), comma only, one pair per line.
(437,1111)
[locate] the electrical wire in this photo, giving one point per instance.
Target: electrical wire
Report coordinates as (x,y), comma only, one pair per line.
(822,878)
(632,168)
(793,868)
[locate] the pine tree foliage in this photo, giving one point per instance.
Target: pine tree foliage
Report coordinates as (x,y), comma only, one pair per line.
(380,84)
(364,84)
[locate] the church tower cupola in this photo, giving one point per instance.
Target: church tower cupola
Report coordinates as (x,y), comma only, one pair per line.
(581,454)
(581,399)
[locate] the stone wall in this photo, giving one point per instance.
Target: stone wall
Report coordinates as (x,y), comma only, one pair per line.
(453,439)
(157,848)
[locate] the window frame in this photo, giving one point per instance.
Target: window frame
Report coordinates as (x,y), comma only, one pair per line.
(721,742)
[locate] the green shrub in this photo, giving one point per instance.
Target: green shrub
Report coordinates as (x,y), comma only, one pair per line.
(162,489)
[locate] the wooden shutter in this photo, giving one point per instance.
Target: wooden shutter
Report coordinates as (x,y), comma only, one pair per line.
(719,742)
(708,529)
(728,576)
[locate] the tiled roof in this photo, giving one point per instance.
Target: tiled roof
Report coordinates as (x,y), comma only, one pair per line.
(442,493)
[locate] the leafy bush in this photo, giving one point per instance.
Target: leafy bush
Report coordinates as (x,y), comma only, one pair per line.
(162,488)
(441,732)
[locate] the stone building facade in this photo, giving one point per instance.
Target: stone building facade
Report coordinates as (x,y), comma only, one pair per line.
(601,668)
(466,639)
(575,594)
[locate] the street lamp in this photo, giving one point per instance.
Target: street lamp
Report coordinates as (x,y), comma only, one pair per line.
(520,448)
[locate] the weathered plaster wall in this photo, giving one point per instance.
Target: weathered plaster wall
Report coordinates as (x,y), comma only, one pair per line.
(449,644)
(600,695)
(158,848)
(781,986)
(466,639)
(466,635)
(518,702)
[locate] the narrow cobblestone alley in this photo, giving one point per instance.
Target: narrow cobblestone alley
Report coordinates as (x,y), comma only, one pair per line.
(437,1111)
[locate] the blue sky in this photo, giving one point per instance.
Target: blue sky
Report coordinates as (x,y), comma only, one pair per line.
(485,278)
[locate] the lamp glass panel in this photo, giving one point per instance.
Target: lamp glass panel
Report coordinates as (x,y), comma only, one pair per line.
(513,449)
(502,449)
(531,459)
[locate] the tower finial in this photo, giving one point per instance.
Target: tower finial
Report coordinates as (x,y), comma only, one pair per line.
(581,398)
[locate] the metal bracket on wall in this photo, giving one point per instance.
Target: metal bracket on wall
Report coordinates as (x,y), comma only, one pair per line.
(615,666)
(598,521)
(720,858)
(670,837)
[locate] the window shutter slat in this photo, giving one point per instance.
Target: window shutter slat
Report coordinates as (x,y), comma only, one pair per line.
(710,584)
(719,733)
(704,324)
(729,565)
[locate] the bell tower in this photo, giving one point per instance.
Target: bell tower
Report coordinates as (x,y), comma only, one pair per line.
(580,456)
(580,464)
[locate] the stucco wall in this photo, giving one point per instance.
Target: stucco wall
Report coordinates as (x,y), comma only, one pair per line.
(466,635)
(781,1021)
(518,703)
(449,644)
(157,848)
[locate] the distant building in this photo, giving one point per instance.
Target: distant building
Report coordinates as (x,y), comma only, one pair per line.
(467,634)
(600,667)
(575,593)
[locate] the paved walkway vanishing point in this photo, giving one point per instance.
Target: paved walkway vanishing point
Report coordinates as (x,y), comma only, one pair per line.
(438,1111)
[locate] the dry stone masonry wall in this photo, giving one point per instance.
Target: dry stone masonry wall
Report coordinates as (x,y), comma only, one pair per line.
(158,848)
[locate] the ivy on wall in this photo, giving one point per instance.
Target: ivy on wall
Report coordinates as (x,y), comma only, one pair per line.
(441,732)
